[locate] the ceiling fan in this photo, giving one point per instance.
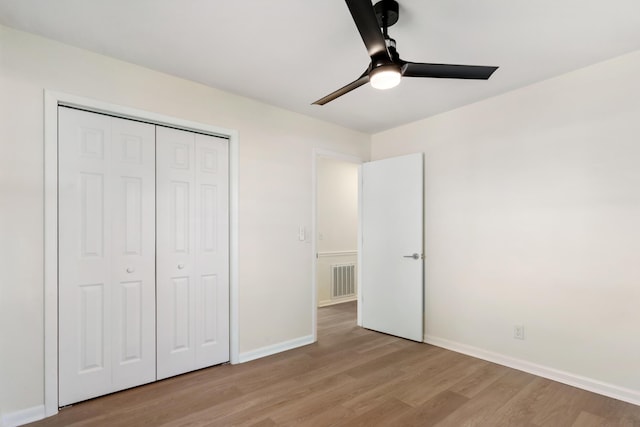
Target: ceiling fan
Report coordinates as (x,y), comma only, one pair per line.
(386,68)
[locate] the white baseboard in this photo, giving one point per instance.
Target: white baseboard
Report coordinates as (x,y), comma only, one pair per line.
(589,384)
(275,348)
(24,416)
(328,302)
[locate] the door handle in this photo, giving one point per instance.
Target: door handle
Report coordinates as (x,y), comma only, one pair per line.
(414,256)
(130,270)
(180,266)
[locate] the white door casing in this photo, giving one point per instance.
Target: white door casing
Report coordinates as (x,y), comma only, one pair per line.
(392,283)
(106,254)
(192,251)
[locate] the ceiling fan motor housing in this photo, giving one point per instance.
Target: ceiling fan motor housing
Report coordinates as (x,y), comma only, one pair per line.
(386,12)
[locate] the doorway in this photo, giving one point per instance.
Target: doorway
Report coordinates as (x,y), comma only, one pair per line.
(335,231)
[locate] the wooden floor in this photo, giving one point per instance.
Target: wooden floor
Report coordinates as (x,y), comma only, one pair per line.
(353,377)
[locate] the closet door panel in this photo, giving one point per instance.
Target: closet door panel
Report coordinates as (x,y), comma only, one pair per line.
(84,256)
(192,269)
(175,251)
(133,249)
(106,255)
(212,253)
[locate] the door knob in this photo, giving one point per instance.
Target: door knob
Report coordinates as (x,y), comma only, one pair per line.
(130,269)
(180,266)
(414,256)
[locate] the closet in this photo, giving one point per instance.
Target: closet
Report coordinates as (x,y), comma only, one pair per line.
(143,285)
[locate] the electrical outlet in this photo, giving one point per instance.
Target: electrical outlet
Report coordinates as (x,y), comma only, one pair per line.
(518,332)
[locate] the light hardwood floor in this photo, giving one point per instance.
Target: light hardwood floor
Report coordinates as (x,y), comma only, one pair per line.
(353,377)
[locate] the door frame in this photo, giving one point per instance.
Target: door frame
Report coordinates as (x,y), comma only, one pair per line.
(334,155)
(52,100)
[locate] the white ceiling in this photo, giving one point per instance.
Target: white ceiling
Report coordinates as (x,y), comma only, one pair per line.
(289,53)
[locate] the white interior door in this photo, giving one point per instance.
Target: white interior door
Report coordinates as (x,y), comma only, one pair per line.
(192,251)
(106,254)
(392,246)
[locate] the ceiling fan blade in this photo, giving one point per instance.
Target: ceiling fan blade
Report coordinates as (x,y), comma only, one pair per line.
(447,71)
(367,23)
(363,79)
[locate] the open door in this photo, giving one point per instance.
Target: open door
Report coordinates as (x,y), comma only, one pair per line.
(392,265)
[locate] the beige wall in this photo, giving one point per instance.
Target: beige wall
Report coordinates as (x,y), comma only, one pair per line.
(337,219)
(274,196)
(533,217)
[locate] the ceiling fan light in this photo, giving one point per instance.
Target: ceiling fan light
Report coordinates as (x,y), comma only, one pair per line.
(385,76)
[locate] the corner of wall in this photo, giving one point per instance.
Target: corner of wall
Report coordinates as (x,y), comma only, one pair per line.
(275,348)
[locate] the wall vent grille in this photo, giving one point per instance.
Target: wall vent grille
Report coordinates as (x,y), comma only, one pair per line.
(343,280)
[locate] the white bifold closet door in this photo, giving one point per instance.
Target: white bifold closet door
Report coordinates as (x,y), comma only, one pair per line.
(192,251)
(106,254)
